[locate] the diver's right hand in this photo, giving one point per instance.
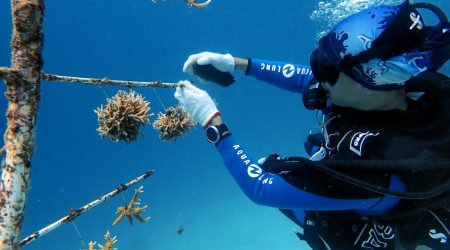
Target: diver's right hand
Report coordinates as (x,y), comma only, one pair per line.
(222,62)
(197,101)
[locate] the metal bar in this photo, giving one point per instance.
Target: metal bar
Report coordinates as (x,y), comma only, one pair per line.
(105,80)
(74,213)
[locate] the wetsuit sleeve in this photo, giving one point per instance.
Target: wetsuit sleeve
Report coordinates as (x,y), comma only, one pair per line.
(287,76)
(273,190)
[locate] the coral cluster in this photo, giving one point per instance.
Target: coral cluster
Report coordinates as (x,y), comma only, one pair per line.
(122,116)
(131,210)
(174,122)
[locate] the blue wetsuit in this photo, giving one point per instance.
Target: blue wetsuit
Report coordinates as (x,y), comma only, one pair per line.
(287,76)
(273,189)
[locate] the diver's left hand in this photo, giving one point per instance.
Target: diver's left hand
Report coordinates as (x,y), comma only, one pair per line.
(222,62)
(199,104)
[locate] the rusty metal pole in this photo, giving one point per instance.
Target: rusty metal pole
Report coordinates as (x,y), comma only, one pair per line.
(23,97)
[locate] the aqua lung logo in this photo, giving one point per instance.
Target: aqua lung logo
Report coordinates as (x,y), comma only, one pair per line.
(416,23)
(288,70)
(253,170)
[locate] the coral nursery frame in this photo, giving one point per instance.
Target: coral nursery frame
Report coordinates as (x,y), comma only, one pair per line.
(23,79)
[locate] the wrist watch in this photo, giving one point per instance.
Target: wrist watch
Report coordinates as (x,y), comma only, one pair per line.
(216,133)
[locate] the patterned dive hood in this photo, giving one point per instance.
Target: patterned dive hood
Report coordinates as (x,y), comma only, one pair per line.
(356,34)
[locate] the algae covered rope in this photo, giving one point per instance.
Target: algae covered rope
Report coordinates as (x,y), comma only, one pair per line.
(74,213)
(105,80)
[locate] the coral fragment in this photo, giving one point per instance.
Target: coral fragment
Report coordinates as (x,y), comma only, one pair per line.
(109,245)
(173,123)
(130,210)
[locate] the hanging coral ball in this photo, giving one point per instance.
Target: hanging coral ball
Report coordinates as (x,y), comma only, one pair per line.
(173,123)
(122,116)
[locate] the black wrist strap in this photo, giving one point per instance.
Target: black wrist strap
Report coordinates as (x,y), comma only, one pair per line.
(221,130)
(222,136)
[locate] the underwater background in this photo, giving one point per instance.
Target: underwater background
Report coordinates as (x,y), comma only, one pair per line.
(191,190)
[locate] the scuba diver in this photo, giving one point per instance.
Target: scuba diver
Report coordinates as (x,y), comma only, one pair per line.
(378,175)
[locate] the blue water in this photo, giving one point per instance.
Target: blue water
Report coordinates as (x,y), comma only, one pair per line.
(139,40)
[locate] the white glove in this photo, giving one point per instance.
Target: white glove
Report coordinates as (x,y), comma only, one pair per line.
(222,62)
(199,104)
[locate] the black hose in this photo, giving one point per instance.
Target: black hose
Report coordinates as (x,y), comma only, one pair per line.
(294,164)
(402,165)
(417,209)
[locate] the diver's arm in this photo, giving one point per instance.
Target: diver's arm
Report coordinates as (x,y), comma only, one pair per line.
(287,76)
(273,190)
(283,75)
(266,188)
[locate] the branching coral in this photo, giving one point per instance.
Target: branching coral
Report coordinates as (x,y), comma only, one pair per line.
(174,122)
(122,116)
(130,210)
(109,245)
